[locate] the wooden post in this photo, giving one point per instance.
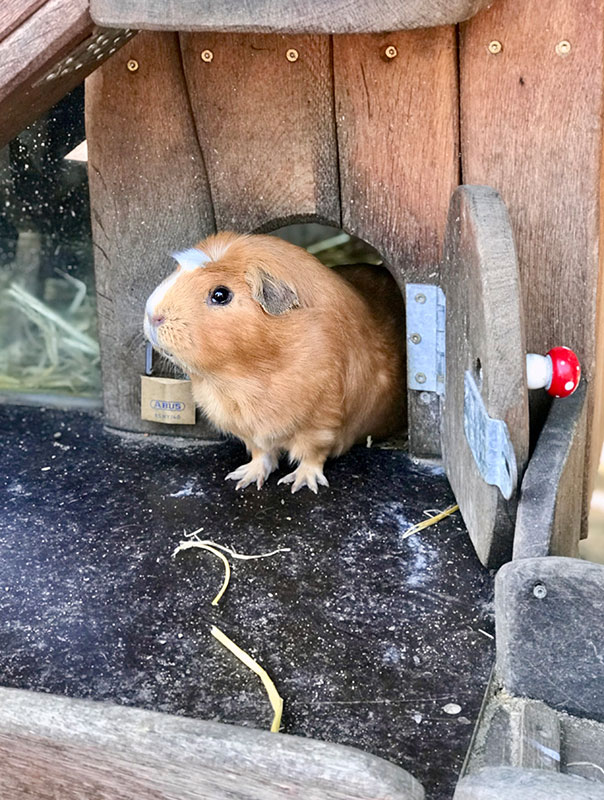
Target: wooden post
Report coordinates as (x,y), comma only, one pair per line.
(532,106)
(396,112)
(149,197)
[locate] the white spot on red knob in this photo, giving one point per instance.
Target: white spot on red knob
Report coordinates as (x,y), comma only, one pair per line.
(559,372)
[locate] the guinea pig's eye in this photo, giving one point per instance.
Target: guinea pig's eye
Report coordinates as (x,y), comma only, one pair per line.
(220,296)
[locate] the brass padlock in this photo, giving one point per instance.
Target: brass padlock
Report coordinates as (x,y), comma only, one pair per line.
(165,400)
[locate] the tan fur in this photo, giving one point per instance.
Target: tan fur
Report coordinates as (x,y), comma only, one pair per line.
(310,381)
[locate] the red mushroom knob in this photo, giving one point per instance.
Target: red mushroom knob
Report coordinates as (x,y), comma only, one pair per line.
(559,372)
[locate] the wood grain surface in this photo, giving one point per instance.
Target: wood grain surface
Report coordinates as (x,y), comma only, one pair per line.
(55,747)
(266,127)
(548,614)
(531,127)
(515,732)
(485,336)
(549,517)
(496,783)
(293,16)
(149,197)
(40,40)
(397,142)
(45,51)
(14,12)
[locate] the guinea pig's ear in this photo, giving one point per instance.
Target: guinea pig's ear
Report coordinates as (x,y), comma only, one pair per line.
(274,295)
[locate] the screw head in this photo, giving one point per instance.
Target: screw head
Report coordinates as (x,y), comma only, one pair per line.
(132,65)
(495,47)
(292,55)
(207,56)
(420,377)
(563,48)
(539,591)
(415,338)
(391,52)
(420,298)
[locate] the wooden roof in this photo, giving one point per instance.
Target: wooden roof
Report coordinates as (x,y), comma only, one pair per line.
(47,47)
(283,16)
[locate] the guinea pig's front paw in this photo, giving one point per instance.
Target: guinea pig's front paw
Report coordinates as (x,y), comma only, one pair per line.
(306,475)
(256,471)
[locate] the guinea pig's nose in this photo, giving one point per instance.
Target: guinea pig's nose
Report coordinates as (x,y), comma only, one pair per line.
(156,319)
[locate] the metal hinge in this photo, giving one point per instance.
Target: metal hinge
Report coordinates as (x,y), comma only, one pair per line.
(426,313)
(489,441)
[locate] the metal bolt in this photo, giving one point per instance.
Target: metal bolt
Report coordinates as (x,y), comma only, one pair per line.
(132,65)
(207,56)
(563,48)
(420,377)
(495,47)
(391,51)
(420,298)
(292,55)
(539,591)
(425,398)
(415,338)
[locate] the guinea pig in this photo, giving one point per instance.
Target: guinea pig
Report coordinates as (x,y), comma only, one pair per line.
(283,352)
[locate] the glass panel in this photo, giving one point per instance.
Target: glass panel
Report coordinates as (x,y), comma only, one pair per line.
(48,342)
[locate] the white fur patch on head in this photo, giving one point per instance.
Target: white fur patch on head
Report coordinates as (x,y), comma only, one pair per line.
(191,259)
(158,294)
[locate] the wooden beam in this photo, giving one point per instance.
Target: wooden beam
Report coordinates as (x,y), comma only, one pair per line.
(511,783)
(45,51)
(532,111)
(396,112)
(549,517)
(14,12)
(286,16)
(58,747)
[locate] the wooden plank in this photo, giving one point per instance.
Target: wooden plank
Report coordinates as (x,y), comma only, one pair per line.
(58,747)
(49,53)
(266,127)
(511,783)
(14,12)
(537,737)
(485,339)
(550,510)
(397,141)
(149,197)
(530,134)
(294,16)
(582,747)
(516,732)
(548,615)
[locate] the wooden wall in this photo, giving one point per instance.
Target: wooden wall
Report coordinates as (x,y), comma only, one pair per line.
(225,131)
(531,127)
(370,132)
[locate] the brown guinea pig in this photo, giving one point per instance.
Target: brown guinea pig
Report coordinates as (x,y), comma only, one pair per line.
(283,352)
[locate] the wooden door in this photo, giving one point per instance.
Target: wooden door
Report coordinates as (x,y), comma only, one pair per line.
(485,418)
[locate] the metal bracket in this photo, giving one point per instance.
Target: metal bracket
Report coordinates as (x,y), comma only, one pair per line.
(489,441)
(101,43)
(426,313)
